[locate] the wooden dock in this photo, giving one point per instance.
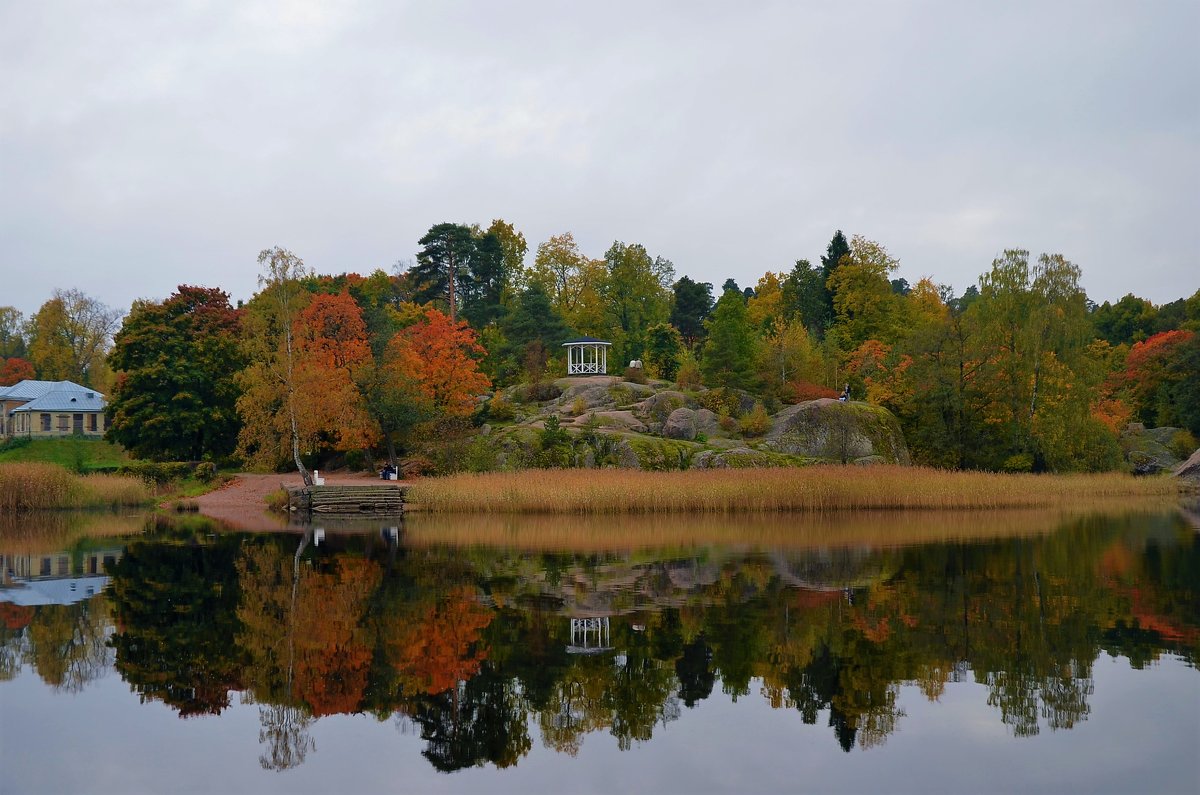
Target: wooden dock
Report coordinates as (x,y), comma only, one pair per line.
(347,500)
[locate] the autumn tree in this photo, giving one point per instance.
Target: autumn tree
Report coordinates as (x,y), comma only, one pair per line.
(270,404)
(332,354)
(430,370)
(572,281)
(865,307)
(69,337)
(14,370)
(175,396)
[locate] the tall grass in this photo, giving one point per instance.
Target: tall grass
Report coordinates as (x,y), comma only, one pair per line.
(818,488)
(33,486)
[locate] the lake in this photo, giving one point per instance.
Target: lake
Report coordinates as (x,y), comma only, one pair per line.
(947,652)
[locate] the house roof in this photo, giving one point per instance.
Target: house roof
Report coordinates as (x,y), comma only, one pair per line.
(586,341)
(60,396)
(30,389)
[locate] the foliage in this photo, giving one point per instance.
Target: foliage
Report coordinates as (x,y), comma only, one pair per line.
(729,352)
(691,304)
(755,422)
(270,405)
(441,271)
(664,346)
(14,370)
(30,486)
(636,296)
(69,336)
(176,392)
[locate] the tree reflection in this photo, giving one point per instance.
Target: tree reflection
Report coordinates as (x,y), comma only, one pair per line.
(471,644)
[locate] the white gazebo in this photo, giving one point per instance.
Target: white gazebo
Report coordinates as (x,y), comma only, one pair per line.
(587,356)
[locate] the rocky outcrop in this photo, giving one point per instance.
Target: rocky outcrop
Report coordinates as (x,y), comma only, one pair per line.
(832,430)
(1189,469)
(1146,449)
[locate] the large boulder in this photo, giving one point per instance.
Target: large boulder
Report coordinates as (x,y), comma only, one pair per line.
(680,424)
(837,431)
(1189,469)
(1146,449)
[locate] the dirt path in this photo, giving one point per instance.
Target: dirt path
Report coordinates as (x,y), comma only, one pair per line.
(241,503)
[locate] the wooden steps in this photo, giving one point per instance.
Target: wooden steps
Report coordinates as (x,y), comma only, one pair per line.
(345,499)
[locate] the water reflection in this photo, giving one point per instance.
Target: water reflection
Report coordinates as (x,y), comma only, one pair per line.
(475,646)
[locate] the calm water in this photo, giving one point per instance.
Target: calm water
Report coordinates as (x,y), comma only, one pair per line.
(1035,655)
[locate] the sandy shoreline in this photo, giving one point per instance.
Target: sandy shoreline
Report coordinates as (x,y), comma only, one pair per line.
(241,503)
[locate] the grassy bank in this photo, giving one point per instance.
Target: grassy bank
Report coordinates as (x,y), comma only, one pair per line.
(75,453)
(33,486)
(819,488)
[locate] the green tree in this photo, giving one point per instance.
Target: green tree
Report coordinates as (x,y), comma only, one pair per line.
(1129,320)
(637,294)
(805,294)
(837,249)
(691,304)
(533,319)
(729,352)
(176,393)
(663,346)
(442,266)
(12,333)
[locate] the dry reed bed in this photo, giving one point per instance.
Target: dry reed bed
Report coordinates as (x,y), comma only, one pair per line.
(818,488)
(32,486)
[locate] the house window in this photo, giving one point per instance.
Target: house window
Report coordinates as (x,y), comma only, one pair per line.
(64,422)
(92,423)
(45,422)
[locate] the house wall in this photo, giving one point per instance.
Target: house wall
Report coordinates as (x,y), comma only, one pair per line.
(30,423)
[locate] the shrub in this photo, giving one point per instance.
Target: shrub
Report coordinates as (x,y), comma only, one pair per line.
(205,471)
(500,409)
(756,422)
(277,501)
(635,374)
(723,401)
(689,374)
(1021,462)
(157,473)
(799,391)
(538,392)
(578,407)
(1182,444)
(356,460)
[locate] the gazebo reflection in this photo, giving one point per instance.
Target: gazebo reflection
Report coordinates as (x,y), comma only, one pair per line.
(590,636)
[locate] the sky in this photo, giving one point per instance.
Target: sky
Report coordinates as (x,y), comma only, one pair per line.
(144,145)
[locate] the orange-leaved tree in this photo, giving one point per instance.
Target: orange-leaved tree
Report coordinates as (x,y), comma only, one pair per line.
(332,352)
(429,371)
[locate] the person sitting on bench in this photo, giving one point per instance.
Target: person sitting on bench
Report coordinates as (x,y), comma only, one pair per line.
(845,394)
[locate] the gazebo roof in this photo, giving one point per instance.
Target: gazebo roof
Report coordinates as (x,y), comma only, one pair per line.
(585,341)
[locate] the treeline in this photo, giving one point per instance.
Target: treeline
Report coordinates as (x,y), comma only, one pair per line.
(1020,372)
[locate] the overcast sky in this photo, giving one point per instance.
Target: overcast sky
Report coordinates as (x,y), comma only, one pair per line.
(145,145)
